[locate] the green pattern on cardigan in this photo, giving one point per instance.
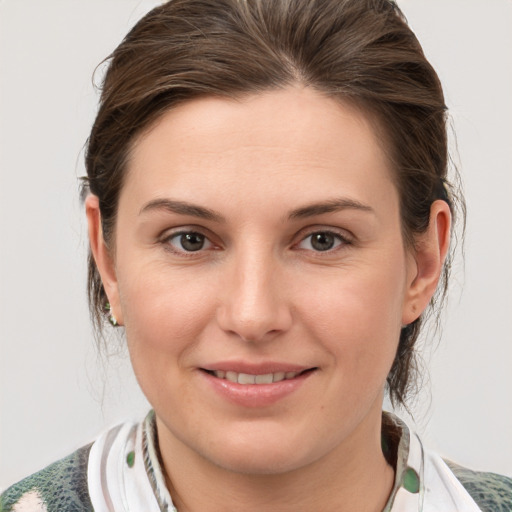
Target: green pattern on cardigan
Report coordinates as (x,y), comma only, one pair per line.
(491,492)
(62,486)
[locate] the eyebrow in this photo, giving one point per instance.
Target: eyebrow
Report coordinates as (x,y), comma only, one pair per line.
(182,208)
(185,208)
(330,206)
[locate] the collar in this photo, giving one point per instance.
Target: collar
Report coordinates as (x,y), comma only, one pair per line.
(423,481)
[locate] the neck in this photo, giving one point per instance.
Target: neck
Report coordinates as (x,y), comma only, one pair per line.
(353,476)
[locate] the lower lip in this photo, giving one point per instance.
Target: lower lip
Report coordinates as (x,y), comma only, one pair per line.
(255,395)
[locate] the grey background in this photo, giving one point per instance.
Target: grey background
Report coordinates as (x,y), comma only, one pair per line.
(56,394)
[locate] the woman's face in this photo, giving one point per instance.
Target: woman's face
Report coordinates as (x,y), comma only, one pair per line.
(259,241)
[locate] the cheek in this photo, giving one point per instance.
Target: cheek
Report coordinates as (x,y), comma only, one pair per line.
(165,317)
(358,318)
(164,312)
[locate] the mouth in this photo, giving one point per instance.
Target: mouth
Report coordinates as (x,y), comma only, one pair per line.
(252,379)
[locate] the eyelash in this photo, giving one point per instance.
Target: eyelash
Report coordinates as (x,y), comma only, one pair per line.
(340,242)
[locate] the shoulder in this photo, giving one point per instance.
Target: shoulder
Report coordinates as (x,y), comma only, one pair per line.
(61,486)
(492,492)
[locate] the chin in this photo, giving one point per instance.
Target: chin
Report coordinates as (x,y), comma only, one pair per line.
(263,454)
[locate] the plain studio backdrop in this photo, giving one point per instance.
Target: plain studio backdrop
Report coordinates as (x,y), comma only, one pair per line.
(57,395)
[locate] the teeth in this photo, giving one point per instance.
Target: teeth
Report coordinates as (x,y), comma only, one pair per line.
(231,376)
(263,379)
(247,378)
(278,376)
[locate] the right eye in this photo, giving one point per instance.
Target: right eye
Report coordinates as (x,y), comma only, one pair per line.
(189,241)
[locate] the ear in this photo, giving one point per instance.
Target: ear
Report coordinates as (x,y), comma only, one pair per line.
(427,262)
(103,256)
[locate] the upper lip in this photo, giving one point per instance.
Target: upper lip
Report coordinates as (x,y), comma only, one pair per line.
(256,368)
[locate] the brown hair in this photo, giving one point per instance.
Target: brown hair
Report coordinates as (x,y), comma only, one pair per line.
(360,51)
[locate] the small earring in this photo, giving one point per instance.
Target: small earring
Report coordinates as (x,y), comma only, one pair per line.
(111,317)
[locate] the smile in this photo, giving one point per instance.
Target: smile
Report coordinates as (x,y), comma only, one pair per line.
(256,386)
(247,378)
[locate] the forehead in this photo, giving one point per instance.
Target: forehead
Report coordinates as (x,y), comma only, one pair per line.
(294,140)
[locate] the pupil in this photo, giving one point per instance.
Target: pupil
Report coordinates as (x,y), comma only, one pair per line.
(192,241)
(322,241)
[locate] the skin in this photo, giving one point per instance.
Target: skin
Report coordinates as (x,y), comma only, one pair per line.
(260,291)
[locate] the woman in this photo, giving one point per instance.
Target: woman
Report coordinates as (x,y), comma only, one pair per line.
(269,217)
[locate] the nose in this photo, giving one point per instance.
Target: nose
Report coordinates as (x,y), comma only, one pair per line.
(253,304)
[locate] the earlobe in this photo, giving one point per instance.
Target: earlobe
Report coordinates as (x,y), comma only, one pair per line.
(429,256)
(103,257)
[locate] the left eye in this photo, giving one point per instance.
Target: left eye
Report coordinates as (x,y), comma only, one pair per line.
(189,242)
(322,241)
